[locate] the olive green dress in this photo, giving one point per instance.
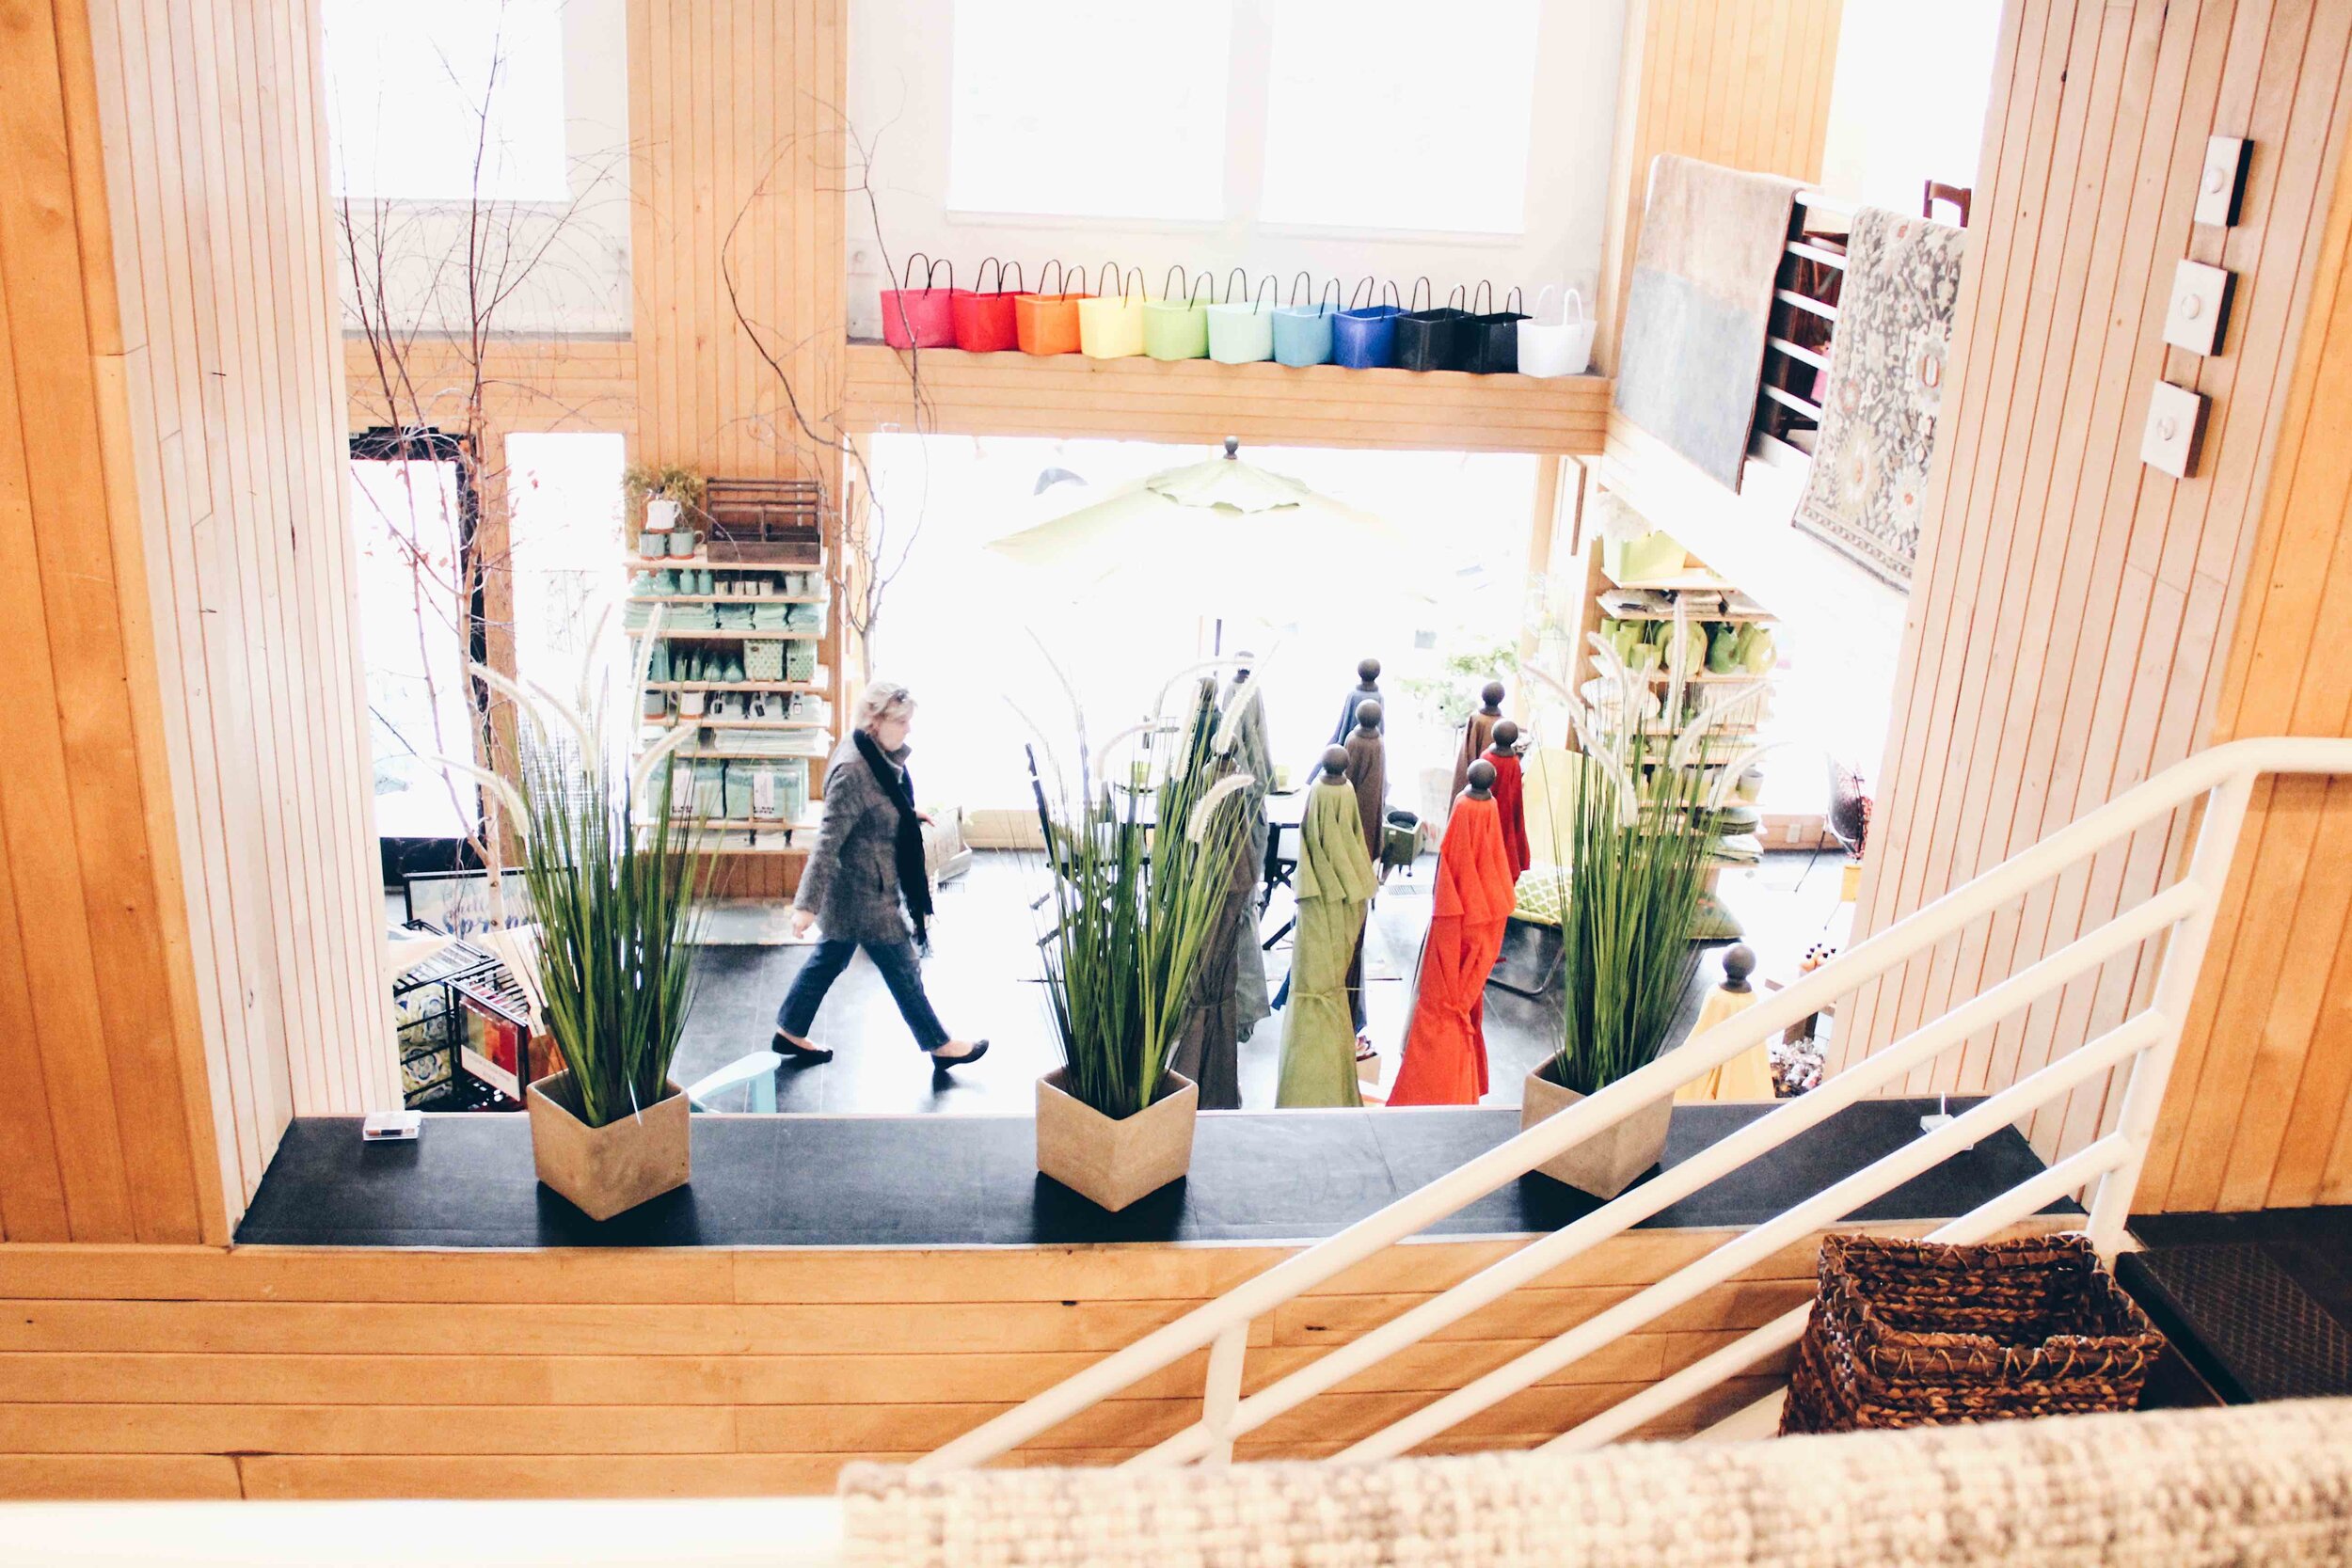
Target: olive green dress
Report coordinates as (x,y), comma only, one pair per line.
(1335,882)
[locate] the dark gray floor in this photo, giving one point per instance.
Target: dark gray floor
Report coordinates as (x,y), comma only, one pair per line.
(803,1180)
(2260,1303)
(982,980)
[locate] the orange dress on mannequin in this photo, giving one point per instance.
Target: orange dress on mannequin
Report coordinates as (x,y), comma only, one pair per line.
(1445,1045)
(1510,791)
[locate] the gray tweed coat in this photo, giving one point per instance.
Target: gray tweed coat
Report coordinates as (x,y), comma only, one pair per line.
(850,882)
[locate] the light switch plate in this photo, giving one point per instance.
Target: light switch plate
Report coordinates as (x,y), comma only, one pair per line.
(2200,307)
(2176,422)
(2221,183)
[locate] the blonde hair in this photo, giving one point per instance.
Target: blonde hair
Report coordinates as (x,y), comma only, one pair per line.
(883,700)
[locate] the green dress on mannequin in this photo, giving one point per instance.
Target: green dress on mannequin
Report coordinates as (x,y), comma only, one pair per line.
(1335,882)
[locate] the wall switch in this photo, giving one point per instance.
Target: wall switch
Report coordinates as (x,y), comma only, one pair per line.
(2200,311)
(2221,183)
(2176,422)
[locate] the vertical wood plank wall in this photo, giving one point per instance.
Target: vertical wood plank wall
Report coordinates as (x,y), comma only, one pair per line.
(1743,82)
(2261,1111)
(106,1132)
(213,130)
(2070,618)
(740,154)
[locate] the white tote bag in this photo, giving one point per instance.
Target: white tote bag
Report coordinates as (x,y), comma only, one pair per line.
(1562,347)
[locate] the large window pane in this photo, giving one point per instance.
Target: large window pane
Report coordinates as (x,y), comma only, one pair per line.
(1079,108)
(564,530)
(955,624)
(412,629)
(444,100)
(1396,116)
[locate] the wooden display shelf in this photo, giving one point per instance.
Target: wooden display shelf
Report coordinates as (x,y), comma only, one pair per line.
(704,564)
(796,634)
(1710,678)
(723,598)
(725,723)
(805,688)
(1757,618)
(1695,581)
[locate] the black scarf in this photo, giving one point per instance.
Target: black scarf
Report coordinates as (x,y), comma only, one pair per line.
(914,879)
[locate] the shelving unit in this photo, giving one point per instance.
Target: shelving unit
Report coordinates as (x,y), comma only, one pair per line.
(1731,735)
(722,675)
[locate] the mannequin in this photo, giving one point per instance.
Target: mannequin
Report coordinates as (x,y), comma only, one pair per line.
(1445,1045)
(1368,772)
(1252,755)
(1367,688)
(1335,883)
(1748,1075)
(1510,795)
(1478,732)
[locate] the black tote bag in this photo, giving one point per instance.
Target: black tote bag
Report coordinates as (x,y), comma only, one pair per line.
(1490,338)
(1428,339)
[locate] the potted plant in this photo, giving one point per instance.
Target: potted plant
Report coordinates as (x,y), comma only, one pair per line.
(661,497)
(611,891)
(1138,872)
(1640,822)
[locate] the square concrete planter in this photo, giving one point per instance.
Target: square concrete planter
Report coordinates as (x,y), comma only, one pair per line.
(1115,1161)
(605,1170)
(1608,1163)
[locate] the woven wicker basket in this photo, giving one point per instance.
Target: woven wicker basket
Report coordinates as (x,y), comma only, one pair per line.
(1922,1334)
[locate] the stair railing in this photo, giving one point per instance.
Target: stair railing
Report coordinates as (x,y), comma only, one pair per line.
(2223,778)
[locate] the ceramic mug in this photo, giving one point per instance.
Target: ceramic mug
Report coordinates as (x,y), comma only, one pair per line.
(681,543)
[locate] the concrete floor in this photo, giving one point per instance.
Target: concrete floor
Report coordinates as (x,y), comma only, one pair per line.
(982,978)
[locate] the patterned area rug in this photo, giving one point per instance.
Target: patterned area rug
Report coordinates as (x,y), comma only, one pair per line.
(1866,490)
(2266,1483)
(1698,306)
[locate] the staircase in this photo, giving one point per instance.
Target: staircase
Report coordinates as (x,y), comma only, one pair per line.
(2220,779)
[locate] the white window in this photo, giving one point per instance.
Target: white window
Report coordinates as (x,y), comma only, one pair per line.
(412,583)
(1382,114)
(446,99)
(1080,108)
(564,533)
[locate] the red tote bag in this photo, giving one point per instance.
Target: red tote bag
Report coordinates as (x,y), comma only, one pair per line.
(986,320)
(923,317)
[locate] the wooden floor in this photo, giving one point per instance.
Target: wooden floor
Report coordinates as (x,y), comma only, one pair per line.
(266,1372)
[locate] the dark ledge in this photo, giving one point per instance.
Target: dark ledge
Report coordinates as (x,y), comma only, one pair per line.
(947,1181)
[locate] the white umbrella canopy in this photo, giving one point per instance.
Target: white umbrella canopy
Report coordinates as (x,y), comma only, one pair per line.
(1227,538)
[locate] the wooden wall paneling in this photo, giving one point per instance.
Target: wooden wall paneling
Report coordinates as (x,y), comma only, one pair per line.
(2260,1093)
(256,950)
(1745,82)
(622,1373)
(89,921)
(2203,563)
(2066,638)
(2089,452)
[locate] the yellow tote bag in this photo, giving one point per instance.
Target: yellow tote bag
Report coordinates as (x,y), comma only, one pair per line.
(1110,326)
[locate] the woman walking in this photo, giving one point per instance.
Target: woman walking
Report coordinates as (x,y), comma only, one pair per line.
(865,881)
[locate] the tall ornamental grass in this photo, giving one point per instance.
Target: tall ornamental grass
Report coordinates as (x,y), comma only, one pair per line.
(1139,868)
(1644,817)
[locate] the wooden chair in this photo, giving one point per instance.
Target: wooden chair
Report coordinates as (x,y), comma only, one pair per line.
(1937,191)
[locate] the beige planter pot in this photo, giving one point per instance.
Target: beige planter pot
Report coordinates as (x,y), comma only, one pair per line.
(1607,1163)
(1114,1163)
(607,1169)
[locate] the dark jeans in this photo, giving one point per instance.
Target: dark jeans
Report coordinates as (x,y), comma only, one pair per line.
(900,970)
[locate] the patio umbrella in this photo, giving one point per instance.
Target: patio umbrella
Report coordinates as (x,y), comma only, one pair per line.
(1236,540)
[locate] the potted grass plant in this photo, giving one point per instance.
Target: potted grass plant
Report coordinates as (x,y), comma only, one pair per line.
(662,498)
(612,889)
(1639,823)
(1138,870)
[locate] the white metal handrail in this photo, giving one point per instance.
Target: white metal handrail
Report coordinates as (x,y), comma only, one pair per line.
(2223,777)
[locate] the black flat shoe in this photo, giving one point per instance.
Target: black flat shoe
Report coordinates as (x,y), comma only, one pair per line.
(941,1064)
(796,1050)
